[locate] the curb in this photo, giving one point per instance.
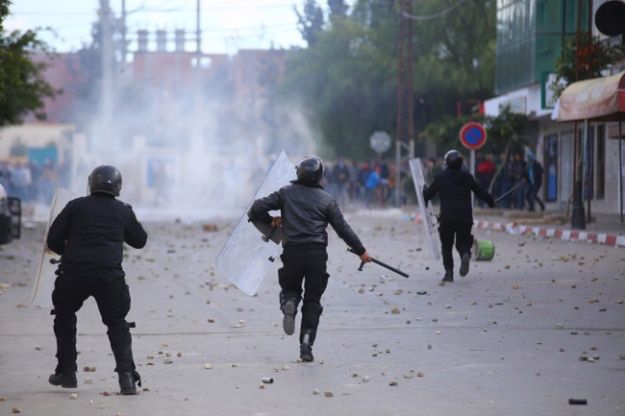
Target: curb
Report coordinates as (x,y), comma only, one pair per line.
(612,240)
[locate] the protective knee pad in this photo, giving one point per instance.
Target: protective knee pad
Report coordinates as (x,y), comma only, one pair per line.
(311,311)
(119,327)
(65,321)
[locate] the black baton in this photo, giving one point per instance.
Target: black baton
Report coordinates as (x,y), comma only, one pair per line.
(507,193)
(376,261)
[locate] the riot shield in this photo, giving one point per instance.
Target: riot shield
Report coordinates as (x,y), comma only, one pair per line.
(246,257)
(44,281)
(428,217)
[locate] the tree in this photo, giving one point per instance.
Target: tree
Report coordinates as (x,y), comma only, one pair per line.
(584,57)
(310,21)
(509,130)
(345,83)
(22,84)
(338,9)
(347,79)
(455,55)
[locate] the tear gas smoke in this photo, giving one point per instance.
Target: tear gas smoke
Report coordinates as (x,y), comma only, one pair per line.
(190,153)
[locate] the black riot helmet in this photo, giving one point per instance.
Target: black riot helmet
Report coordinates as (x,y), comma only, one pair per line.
(453,159)
(106,179)
(310,170)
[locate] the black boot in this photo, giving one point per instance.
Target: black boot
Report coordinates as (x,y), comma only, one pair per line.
(305,353)
(305,349)
(127,382)
(288,321)
(464,265)
(66,380)
(449,276)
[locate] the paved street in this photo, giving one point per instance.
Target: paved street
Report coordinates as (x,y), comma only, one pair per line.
(520,335)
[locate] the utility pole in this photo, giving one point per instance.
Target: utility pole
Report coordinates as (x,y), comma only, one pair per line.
(198,31)
(404,131)
(124,45)
(578,220)
(107,58)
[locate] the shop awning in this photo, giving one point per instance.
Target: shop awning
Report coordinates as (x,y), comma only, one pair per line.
(594,99)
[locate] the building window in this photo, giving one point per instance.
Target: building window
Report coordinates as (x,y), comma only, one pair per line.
(600,163)
(551,168)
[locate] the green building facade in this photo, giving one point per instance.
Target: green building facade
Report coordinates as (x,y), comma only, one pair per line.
(530,35)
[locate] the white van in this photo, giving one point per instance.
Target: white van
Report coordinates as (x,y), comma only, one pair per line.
(10,217)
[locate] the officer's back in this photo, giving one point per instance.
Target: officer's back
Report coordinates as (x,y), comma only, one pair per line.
(89,234)
(455,193)
(306,212)
(454,187)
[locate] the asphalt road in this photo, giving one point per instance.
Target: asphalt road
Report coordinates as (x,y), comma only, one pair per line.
(520,335)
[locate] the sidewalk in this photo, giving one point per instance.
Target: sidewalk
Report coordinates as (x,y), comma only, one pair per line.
(605,229)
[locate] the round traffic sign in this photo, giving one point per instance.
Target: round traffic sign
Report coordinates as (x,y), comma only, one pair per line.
(380,142)
(473,135)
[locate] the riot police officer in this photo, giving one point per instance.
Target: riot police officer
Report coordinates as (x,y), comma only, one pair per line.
(306,210)
(456,214)
(89,234)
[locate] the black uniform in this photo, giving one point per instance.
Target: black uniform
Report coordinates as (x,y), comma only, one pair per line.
(306,211)
(89,234)
(454,187)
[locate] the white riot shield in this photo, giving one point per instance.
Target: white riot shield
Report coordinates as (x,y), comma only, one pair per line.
(246,258)
(429,220)
(44,282)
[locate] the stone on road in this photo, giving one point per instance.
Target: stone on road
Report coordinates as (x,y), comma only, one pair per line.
(506,339)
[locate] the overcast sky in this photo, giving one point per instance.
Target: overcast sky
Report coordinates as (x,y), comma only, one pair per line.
(227,25)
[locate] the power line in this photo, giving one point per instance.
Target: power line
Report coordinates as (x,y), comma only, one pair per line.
(431,16)
(183,9)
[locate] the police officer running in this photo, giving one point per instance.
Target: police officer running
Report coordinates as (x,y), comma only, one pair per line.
(306,210)
(456,214)
(89,234)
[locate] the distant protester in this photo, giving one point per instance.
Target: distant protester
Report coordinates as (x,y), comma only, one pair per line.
(535,181)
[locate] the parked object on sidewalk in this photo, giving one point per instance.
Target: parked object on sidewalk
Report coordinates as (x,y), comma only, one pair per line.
(483,250)
(10,217)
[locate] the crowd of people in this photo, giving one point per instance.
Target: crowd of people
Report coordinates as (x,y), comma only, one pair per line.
(521,173)
(373,184)
(32,182)
(370,184)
